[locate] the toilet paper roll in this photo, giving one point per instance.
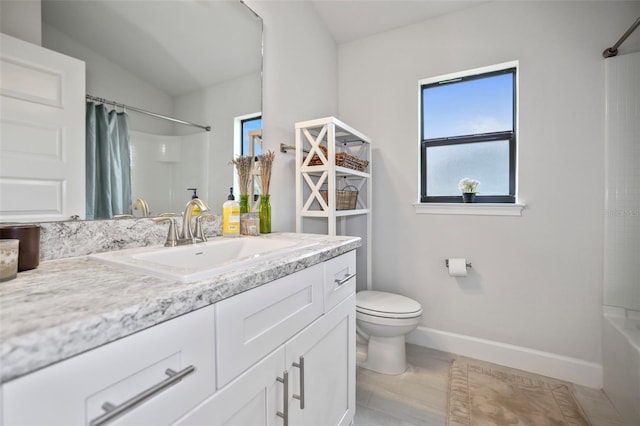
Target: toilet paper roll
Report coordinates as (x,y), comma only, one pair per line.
(458,267)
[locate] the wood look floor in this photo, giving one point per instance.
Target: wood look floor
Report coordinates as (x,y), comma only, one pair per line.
(419,396)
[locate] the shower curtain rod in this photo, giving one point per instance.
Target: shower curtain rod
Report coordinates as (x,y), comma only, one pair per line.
(613,50)
(142,111)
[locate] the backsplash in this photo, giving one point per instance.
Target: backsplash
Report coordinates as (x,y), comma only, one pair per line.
(59,240)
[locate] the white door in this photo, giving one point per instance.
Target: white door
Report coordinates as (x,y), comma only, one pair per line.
(42,133)
(327,350)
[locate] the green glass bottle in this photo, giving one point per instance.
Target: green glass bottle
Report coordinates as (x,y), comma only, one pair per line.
(265,214)
(245,207)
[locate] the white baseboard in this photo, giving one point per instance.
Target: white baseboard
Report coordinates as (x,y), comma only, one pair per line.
(545,363)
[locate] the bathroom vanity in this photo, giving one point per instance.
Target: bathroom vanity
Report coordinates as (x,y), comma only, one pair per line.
(271,343)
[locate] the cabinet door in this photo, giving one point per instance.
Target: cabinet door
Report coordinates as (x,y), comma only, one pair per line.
(327,350)
(252,324)
(253,399)
(75,391)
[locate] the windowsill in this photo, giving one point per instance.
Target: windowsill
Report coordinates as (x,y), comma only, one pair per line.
(474,209)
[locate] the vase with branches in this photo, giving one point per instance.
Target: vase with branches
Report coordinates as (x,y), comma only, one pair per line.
(265,162)
(243,168)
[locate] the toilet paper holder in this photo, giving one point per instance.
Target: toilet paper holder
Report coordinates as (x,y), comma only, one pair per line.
(446,264)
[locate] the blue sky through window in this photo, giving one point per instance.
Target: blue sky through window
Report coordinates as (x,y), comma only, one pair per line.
(469,107)
(248,126)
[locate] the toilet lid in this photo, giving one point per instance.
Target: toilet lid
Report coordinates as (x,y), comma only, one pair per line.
(384,304)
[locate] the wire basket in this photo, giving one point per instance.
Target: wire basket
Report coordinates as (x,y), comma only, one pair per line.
(346,198)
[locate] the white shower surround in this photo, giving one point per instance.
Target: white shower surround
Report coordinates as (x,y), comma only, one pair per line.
(621,363)
(621,286)
(622,182)
(163,167)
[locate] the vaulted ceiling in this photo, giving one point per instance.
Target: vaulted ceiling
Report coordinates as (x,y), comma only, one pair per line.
(182,46)
(349,20)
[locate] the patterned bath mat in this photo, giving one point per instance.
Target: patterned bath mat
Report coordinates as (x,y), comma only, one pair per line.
(484,394)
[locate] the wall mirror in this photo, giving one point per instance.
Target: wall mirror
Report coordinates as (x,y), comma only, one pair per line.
(198,61)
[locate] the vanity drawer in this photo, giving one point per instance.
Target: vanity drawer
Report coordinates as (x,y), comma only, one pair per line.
(252,324)
(339,279)
(73,391)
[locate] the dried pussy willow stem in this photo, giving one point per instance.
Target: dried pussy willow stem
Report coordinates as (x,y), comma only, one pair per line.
(266,161)
(243,167)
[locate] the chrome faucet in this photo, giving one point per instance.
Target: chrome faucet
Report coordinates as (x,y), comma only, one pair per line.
(186,233)
(142,205)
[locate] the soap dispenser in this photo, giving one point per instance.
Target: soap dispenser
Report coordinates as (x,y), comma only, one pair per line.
(195,210)
(231,216)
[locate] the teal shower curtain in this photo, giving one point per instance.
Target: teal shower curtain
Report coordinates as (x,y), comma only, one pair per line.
(108,162)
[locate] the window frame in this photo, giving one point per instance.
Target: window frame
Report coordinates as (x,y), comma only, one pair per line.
(243,121)
(510,136)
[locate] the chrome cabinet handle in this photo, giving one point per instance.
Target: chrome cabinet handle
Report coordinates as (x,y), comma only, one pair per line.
(113,411)
(345,279)
(285,400)
(300,397)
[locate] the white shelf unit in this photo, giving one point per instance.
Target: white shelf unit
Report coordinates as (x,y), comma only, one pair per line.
(311,209)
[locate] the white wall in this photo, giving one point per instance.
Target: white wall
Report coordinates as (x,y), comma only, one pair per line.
(109,80)
(217,106)
(536,279)
(300,83)
(22,19)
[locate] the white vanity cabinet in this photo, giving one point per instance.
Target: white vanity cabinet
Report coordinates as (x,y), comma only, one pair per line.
(313,369)
(74,391)
(280,354)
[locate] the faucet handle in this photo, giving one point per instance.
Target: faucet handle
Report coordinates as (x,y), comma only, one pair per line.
(172,234)
(199,231)
(208,217)
(122,216)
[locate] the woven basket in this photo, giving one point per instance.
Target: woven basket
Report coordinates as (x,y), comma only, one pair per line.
(351,161)
(342,160)
(346,198)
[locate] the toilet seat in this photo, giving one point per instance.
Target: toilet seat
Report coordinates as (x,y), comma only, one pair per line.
(387,305)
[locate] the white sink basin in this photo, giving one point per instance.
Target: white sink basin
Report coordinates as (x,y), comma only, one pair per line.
(199,261)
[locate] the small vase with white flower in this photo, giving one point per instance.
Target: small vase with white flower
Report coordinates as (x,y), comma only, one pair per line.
(468,188)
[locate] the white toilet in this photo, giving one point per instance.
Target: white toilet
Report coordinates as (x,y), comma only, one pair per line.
(384,319)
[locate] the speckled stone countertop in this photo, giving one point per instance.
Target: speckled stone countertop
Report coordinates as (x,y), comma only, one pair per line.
(68,306)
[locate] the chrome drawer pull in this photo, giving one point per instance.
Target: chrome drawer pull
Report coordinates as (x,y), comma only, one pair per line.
(300,397)
(345,279)
(113,411)
(285,400)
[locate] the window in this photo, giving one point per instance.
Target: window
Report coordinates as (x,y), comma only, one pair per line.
(248,125)
(468,129)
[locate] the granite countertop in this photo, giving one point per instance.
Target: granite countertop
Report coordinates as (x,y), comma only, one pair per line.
(68,306)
